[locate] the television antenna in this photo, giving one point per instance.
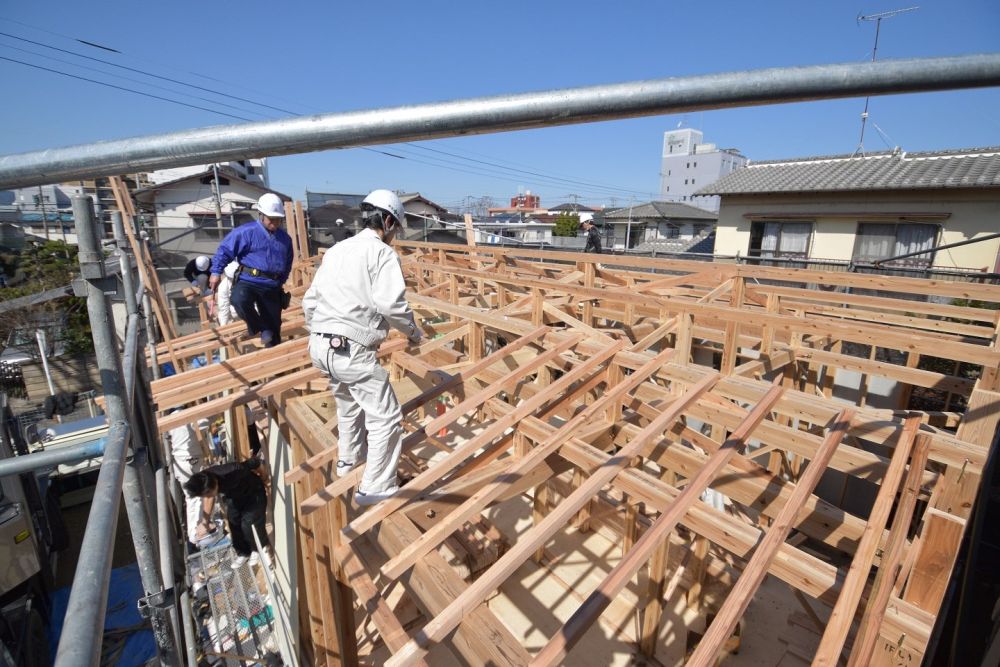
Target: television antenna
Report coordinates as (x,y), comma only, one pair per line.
(878,25)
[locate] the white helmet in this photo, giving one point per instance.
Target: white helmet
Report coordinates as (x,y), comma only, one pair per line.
(340,221)
(270,205)
(202,262)
(387,201)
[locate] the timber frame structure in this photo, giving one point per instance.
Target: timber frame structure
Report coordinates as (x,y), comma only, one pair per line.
(610,393)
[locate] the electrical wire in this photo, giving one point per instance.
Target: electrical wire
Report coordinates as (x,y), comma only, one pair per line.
(139,71)
(129,90)
(126,78)
(494,169)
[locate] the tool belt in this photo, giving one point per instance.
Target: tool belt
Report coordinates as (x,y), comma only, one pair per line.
(257,273)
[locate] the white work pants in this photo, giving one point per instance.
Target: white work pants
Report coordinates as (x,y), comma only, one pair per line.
(365,403)
(184,466)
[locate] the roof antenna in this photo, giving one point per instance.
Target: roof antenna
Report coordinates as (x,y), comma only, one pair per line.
(878,25)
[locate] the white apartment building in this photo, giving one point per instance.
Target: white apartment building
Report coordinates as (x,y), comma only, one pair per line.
(688,165)
(252,171)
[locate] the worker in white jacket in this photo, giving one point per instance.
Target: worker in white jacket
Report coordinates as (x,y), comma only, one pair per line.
(224,310)
(357,293)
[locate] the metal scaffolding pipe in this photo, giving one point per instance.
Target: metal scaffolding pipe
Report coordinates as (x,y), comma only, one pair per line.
(80,642)
(38,460)
(499,113)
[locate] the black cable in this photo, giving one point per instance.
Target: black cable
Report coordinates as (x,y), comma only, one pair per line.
(530,173)
(128,90)
(141,83)
(139,71)
(286,111)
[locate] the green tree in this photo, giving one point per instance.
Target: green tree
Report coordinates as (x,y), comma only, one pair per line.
(37,268)
(567,224)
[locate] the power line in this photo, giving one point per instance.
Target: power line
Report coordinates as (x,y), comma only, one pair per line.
(139,71)
(505,171)
(530,173)
(129,90)
(126,78)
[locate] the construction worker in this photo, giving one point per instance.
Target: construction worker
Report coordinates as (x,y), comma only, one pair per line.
(264,253)
(187,457)
(224,310)
(196,272)
(244,500)
(340,232)
(357,294)
(593,237)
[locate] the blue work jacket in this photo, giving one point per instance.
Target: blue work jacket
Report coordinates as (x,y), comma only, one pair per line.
(256,248)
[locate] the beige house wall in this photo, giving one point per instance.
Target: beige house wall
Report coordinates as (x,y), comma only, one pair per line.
(962,214)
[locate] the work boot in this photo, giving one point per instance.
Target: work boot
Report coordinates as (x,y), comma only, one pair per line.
(366,499)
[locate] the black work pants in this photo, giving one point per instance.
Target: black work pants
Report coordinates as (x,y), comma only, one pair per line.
(260,308)
(243,519)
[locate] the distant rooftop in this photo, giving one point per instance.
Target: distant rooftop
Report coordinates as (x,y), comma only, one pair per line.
(888,170)
(660,209)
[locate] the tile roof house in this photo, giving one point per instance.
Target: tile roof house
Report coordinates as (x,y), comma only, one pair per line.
(860,209)
(659,226)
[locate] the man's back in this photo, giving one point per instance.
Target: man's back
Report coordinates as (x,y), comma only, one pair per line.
(358,291)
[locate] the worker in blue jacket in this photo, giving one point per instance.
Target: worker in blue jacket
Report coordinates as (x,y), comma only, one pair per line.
(264,253)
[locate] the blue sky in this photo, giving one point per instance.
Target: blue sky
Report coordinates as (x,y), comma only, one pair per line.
(312,57)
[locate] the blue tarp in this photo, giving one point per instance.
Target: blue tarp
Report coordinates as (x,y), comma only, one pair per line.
(123,594)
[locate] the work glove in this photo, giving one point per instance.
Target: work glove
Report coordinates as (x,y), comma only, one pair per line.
(416,336)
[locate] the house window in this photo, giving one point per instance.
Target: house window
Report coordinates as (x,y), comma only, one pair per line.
(692,181)
(685,181)
(688,166)
(695,165)
(207,229)
(780,239)
(876,240)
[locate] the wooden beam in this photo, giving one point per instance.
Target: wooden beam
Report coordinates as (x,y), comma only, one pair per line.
(571,632)
(753,575)
(889,564)
(446,621)
(840,620)
(518,469)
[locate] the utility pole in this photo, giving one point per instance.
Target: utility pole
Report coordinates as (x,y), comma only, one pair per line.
(41,205)
(628,229)
(218,200)
(878,25)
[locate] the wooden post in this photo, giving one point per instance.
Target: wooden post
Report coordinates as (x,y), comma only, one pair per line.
(730,349)
(655,599)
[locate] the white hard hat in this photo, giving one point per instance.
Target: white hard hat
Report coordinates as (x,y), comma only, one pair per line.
(340,221)
(202,262)
(388,201)
(270,205)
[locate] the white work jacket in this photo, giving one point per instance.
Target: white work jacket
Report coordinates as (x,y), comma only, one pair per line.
(358,292)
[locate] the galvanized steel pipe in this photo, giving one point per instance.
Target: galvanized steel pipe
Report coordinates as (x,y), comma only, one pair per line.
(494,114)
(80,641)
(39,460)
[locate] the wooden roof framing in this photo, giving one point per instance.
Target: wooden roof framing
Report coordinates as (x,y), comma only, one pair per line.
(601,386)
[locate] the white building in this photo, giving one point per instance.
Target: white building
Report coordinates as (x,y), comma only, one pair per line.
(689,165)
(253,171)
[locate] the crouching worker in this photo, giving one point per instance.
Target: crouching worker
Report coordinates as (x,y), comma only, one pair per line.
(356,295)
(243,499)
